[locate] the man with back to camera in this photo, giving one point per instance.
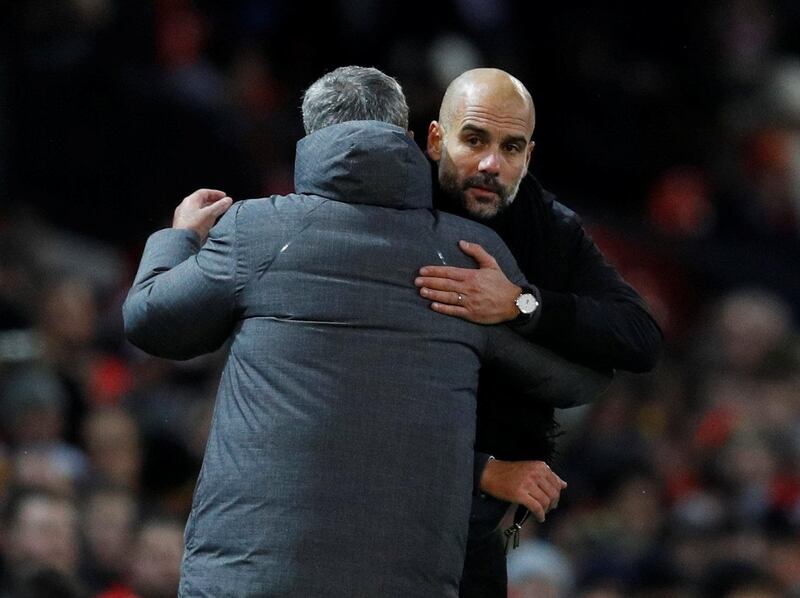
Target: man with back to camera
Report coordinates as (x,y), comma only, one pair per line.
(579,306)
(339,461)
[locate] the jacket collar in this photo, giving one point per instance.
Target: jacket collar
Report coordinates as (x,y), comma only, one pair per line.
(363,162)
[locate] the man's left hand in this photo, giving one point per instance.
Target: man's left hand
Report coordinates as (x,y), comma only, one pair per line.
(531,484)
(483,296)
(198,211)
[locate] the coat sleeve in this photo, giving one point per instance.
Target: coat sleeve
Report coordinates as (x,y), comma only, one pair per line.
(542,375)
(599,319)
(538,372)
(184,298)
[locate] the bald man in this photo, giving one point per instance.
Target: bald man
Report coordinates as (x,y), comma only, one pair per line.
(577,303)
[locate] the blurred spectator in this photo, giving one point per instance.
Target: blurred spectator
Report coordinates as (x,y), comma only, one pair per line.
(156,561)
(733,579)
(32,406)
(783,561)
(32,409)
(674,127)
(679,205)
(113,446)
(67,323)
(109,518)
(40,530)
(52,468)
(66,326)
(44,582)
(538,569)
(752,327)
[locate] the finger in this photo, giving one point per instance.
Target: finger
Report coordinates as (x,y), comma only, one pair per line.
(438,284)
(534,507)
(543,498)
(557,480)
(550,475)
(554,498)
(219,207)
(212,197)
(544,502)
(478,253)
(452,310)
(204,197)
(448,297)
(445,272)
(549,486)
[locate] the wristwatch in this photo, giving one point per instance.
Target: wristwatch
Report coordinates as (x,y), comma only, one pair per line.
(527,304)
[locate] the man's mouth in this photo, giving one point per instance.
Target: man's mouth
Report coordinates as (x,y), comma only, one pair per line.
(484,192)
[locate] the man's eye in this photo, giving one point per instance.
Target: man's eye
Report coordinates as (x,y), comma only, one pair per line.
(513,148)
(473,140)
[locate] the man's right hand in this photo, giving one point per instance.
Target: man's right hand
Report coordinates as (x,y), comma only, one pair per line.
(531,484)
(200,210)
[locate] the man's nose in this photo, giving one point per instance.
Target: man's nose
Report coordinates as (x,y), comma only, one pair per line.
(490,163)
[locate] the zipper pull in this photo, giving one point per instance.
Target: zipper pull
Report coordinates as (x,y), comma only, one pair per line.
(520,517)
(512,535)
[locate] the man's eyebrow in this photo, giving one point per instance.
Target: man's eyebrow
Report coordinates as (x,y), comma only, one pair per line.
(474,129)
(521,139)
(470,128)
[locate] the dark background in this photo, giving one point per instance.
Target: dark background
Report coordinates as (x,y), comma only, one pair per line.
(673,128)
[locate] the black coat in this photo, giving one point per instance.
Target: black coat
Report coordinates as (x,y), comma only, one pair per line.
(588,314)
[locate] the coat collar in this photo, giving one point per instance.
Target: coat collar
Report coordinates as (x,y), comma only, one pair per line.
(363,162)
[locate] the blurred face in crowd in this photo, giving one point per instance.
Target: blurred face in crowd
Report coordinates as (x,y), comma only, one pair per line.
(112,443)
(482,140)
(45,532)
(39,467)
(638,501)
(69,314)
(751,324)
(155,572)
(109,520)
(535,588)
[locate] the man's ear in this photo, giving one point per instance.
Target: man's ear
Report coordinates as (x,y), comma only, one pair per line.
(435,141)
(529,154)
(410,133)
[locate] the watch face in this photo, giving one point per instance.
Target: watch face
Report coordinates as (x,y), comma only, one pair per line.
(527,303)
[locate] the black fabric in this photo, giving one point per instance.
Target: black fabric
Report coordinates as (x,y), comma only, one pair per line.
(484,574)
(588,314)
(478,465)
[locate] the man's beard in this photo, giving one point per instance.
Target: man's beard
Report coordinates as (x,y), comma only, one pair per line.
(480,210)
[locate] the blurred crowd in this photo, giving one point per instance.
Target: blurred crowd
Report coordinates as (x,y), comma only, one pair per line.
(674,129)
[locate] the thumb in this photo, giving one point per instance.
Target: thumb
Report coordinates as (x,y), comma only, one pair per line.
(478,253)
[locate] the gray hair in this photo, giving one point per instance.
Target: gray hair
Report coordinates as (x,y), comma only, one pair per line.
(354,93)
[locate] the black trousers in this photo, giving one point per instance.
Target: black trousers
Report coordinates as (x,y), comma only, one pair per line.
(484,574)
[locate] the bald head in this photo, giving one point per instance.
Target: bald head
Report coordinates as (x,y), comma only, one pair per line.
(491,90)
(483,140)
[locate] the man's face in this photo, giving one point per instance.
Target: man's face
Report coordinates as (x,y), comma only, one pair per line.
(483,155)
(45,533)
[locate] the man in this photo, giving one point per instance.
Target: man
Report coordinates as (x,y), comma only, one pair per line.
(40,531)
(483,143)
(339,461)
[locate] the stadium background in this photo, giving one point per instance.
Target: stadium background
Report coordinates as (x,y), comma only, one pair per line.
(672,128)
